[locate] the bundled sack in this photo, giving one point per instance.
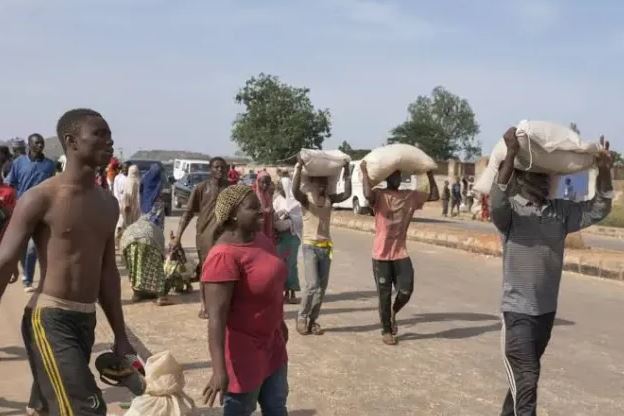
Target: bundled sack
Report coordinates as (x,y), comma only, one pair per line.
(384,161)
(164,394)
(328,163)
(544,148)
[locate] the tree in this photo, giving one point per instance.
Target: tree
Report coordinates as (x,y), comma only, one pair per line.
(279,120)
(442,125)
(356,154)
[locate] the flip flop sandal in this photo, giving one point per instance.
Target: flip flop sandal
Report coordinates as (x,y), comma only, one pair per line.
(315,329)
(117,372)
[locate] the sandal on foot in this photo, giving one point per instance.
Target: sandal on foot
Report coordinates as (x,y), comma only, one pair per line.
(164,301)
(389,339)
(302,327)
(315,329)
(202,315)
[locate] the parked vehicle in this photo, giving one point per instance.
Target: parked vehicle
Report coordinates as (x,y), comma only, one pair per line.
(358,203)
(166,180)
(182,189)
(183,167)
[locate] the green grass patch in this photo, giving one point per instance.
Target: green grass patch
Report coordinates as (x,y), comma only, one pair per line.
(615,218)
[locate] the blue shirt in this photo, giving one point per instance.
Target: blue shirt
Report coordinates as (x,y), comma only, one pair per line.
(26,173)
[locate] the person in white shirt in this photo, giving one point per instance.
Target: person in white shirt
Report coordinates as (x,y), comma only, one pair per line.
(119,186)
(120,182)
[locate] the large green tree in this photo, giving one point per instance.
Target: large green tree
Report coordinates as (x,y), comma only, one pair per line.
(443,125)
(278,120)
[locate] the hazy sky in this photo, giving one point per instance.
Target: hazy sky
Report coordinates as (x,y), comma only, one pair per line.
(164,73)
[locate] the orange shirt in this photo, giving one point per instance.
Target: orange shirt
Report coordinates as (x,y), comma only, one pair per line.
(393,213)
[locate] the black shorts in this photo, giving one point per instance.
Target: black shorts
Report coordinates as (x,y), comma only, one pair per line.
(58,343)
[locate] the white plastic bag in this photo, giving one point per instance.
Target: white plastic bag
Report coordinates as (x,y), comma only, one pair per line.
(164,394)
(545,148)
(385,160)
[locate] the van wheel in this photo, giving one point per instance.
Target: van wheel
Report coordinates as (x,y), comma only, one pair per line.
(356,207)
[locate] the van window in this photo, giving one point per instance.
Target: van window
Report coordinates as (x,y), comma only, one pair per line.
(177,164)
(199,167)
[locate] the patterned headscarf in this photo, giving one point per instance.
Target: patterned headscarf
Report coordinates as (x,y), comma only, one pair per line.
(265,197)
(228,200)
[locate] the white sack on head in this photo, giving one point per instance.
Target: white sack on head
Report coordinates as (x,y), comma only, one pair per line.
(164,394)
(323,162)
(327,163)
(545,148)
(385,160)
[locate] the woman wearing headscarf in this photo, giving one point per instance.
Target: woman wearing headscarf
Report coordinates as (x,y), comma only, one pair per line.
(151,188)
(265,196)
(143,248)
(289,226)
(129,204)
(244,281)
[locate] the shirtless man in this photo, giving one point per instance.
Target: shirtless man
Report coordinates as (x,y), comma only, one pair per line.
(72,222)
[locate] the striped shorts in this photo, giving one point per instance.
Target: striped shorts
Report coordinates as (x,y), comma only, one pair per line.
(58,343)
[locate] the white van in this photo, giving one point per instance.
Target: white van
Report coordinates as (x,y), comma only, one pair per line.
(358,203)
(183,167)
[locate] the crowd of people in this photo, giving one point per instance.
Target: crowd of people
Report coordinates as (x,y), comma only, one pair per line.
(248,239)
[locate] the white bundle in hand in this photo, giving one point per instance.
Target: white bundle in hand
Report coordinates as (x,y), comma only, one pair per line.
(384,161)
(164,393)
(545,148)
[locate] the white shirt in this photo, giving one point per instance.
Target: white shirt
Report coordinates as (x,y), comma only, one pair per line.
(119,185)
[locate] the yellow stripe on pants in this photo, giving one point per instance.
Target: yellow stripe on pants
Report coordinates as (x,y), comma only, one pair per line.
(51,367)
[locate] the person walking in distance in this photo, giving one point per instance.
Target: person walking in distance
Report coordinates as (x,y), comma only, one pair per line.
(244,278)
(392,265)
(446,197)
(316,205)
(456,196)
(534,229)
(72,222)
(28,171)
(201,203)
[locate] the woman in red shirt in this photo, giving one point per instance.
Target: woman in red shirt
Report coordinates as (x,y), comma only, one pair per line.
(244,280)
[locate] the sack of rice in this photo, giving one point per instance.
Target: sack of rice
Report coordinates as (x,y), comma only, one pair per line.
(545,148)
(385,160)
(323,163)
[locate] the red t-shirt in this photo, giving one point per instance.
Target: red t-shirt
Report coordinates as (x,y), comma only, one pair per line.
(254,343)
(8,199)
(393,213)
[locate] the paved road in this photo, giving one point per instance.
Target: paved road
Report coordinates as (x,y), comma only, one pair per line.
(431,216)
(448,361)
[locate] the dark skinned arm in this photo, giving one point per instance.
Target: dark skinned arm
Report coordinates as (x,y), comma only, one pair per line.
(296,184)
(346,194)
(217,297)
(584,214)
(367,189)
(187,216)
(110,297)
(500,206)
(27,214)
(434,193)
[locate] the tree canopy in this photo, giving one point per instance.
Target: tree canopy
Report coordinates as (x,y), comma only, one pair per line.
(356,154)
(443,125)
(278,121)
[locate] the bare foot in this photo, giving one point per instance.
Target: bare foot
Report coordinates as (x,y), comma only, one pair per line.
(202,314)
